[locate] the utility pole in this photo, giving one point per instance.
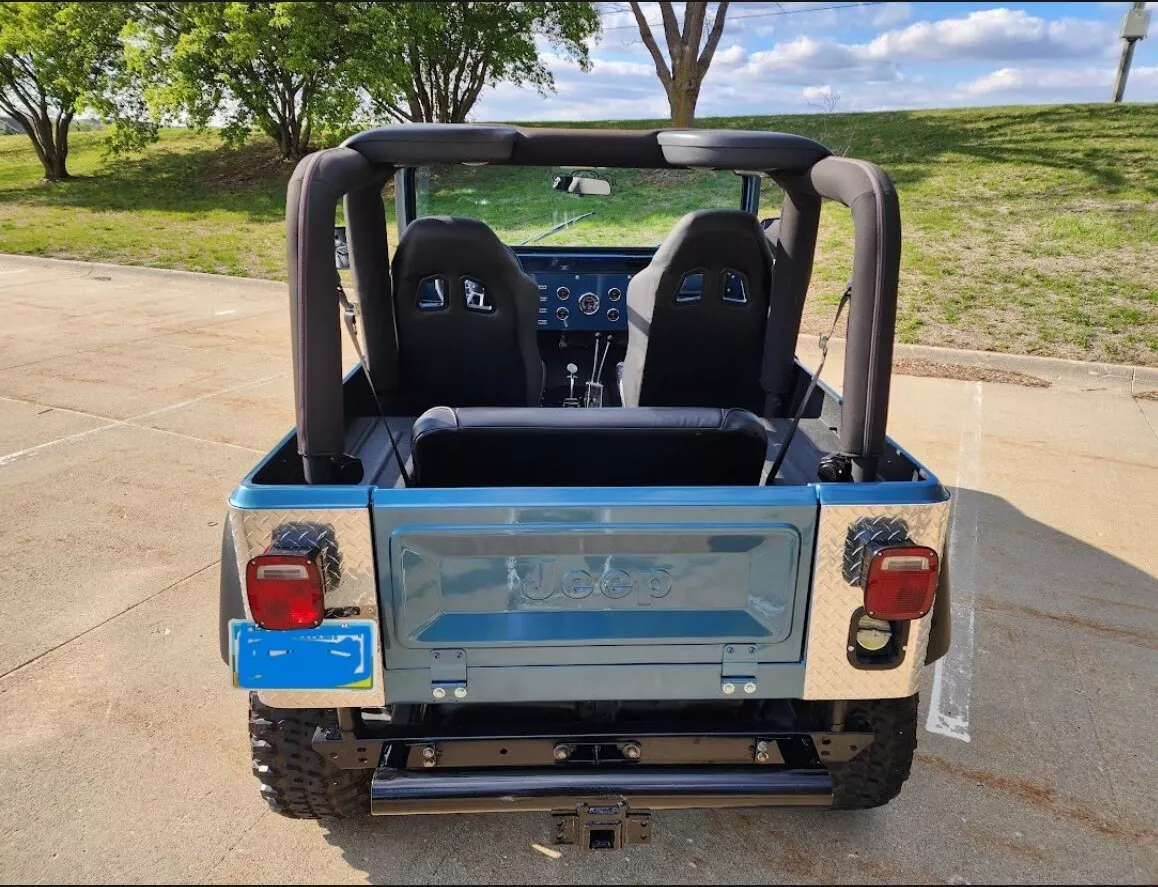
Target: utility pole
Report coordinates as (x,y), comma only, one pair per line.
(1134,27)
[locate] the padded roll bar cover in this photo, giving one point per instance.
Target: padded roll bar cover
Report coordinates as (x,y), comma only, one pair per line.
(413,144)
(370,267)
(740,149)
(625,148)
(317,184)
(868,191)
(794,250)
(616,418)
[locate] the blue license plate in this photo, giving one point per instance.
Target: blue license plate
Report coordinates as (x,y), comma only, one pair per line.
(333,656)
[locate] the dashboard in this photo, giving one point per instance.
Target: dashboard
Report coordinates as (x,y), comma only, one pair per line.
(583,290)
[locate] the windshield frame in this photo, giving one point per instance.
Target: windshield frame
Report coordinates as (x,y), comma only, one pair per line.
(406,202)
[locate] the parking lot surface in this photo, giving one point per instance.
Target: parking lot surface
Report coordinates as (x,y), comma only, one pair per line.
(131,402)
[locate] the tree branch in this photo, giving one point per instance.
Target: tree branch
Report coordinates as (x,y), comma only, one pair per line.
(693,31)
(713,39)
(649,41)
(393,110)
(671,31)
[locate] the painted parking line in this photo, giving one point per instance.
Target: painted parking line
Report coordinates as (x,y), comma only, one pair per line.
(953,674)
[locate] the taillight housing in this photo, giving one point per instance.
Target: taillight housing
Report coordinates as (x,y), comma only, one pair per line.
(285,589)
(900,581)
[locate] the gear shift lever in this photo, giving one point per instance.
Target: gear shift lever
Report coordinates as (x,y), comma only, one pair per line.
(571,400)
(594,395)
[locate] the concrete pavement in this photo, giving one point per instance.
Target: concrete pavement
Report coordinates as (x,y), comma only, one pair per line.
(132,401)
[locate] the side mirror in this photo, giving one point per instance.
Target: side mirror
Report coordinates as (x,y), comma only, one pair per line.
(581,185)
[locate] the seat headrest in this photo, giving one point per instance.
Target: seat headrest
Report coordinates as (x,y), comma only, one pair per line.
(713,237)
(430,239)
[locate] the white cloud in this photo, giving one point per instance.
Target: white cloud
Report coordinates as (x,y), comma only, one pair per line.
(803,59)
(1070,84)
(613,68)
(1031,60)
(991,34)
(820,95)
(733,55)
(892,14)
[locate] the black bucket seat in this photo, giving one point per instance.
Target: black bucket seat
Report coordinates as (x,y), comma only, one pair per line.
(467,318)
(697,315)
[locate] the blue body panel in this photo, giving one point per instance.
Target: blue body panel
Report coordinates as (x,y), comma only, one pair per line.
(584,593)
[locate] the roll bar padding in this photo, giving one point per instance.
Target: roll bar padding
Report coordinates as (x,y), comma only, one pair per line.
(868,191)
(325,177)
(315,187)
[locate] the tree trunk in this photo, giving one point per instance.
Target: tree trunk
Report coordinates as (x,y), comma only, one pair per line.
(683,72)
(291,144)
(51,152)
(59,166)
(681,99)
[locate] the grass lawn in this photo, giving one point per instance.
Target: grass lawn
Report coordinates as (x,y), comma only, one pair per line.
(1029,230)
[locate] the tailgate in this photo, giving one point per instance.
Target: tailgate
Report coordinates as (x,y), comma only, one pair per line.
(574,579)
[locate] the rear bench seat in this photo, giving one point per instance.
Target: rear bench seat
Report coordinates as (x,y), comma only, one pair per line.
(617,446)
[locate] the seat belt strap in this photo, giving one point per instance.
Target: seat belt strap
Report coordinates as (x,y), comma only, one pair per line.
(350,321)
(823,342)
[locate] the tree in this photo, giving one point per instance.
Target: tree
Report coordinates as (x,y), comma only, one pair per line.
(56,61)
(683,72)
(429,62)
(280,67)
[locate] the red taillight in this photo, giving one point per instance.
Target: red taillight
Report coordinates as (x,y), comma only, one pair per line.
(900,582)
(285,590)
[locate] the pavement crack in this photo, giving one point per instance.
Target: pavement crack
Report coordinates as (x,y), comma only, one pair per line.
(183,436)
(260,816)
(1145,418)
(23,665)
(134,421)
(55,408)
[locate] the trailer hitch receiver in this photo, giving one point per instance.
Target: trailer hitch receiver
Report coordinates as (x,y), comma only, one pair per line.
(602,824)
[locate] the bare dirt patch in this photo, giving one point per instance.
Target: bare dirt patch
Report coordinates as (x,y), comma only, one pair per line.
(916,366)
(1149,394)
(1045,797)
(1137,638)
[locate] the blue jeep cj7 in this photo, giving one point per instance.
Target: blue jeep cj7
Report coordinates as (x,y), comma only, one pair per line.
(477,578)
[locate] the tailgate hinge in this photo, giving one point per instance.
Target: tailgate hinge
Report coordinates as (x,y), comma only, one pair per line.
(738,669)
(448,674)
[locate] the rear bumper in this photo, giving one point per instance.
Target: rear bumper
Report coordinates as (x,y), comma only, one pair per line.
(402,792)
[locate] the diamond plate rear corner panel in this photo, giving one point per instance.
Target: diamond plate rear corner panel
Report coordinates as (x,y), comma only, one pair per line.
(344,536)
(841,532)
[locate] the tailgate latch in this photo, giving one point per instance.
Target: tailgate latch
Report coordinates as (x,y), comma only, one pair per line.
(448,674)
(738,669)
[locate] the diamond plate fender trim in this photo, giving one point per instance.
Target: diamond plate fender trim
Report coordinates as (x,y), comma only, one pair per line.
(828,673)
(345,534)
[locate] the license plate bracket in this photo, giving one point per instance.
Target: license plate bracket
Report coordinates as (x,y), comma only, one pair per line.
(333,656)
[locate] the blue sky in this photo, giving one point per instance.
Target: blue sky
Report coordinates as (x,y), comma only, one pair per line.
(787,57)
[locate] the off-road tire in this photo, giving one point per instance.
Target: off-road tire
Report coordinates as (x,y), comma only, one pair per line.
(875,776)
(295,780)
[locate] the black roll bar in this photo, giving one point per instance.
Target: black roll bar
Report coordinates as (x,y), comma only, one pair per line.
(315,188)
(868,191)
(807,172)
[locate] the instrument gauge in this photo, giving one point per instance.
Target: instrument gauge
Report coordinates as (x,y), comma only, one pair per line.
(589,303)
